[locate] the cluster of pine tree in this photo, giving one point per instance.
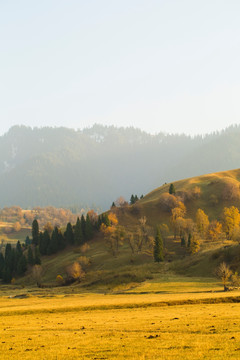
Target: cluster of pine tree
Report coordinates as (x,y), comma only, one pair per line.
(134,199)
(50,242)
(12,263)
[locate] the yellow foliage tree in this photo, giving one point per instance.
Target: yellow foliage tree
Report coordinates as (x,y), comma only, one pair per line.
(177,212)
(113,234)
(231,220)
(214,230)
(202,222)
(113,219)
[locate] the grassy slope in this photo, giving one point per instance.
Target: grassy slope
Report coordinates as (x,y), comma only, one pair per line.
(108,272)
(211,184)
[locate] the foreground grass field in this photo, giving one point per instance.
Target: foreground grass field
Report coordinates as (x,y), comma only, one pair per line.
(148,322)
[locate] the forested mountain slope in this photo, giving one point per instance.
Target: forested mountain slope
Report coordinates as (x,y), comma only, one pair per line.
(63,167)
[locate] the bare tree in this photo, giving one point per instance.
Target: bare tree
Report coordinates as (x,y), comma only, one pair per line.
(37,272)
(223,272)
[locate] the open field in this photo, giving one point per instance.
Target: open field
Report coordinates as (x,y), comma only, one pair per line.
(13,237)
(151,321)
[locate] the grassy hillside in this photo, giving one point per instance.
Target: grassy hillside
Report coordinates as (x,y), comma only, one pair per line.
(217,190)
(126,270)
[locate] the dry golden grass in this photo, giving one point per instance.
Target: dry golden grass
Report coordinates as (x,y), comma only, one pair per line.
(53,325)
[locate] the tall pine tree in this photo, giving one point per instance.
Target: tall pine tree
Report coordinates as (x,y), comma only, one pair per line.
(88,228)
(35,232)
(172,190)
(69,236)
(78,234)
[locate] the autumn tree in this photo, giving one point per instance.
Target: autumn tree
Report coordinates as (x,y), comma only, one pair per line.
(231,189)
(131,241)
(114,234)
(37,272)
(164,230)
(167,202)
(75,272)
(202,222)
(17,226)
(214,230)
(231,220)
(193,244)
(120,202)
(177,213)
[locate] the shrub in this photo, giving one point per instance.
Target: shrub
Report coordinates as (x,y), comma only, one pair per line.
(59,280)
(74,272)
(84,248)
(84,262)
(196,192)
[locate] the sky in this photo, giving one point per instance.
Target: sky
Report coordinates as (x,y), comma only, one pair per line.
(169,66)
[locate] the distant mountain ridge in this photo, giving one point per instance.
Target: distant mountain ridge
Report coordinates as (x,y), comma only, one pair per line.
(63,167)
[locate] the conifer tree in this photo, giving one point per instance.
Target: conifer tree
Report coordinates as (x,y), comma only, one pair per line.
(30,258)
(18,255)
(27,241)
(44,243)
(135,198)
(53,245)
(2,264)
(183,242)
(158,247)
(9,258)
(132,199)
(19,248)
(78,235)
(69,236)
(189,240)
(37,259)
(41,243)
(7,275)
(35,232)
(60,240)
(22,266)
(88,228)
(83,226)
(172,189)
(106,220)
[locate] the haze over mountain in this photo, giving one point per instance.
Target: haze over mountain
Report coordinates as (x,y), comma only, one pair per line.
(64,167)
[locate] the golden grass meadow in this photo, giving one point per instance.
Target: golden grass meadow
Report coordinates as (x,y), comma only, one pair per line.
(186,321)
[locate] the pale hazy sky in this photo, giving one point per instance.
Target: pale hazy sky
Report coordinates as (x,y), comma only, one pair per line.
(170,65)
